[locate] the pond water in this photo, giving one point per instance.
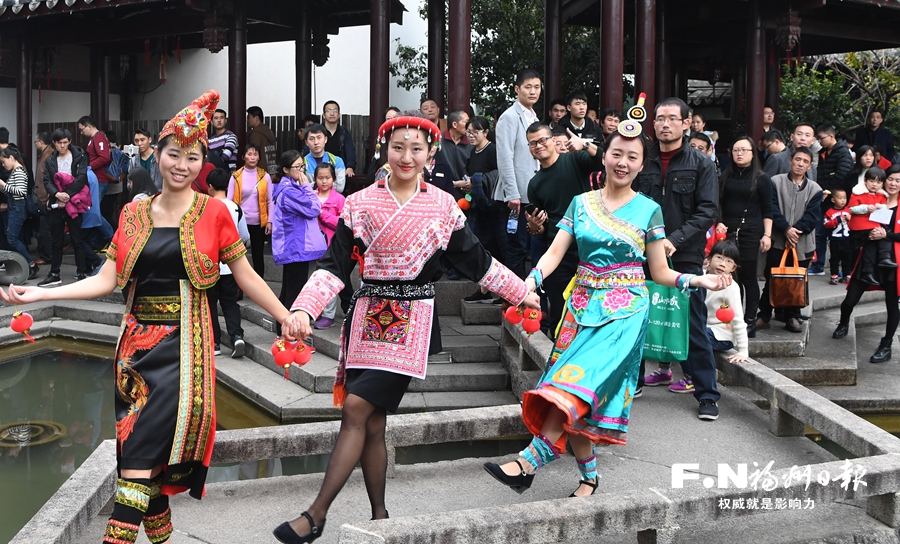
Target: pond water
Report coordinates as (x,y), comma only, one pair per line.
(56,407)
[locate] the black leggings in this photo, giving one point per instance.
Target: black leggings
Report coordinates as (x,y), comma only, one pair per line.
(855,291)
(257,244)
(749,283)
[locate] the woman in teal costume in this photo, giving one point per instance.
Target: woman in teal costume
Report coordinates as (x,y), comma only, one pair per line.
(586,390)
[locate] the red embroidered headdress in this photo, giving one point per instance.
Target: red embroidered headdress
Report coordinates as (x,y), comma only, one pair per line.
(189,126)
(408,122)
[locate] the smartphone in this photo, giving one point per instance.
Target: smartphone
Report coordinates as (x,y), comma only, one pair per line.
(530,209)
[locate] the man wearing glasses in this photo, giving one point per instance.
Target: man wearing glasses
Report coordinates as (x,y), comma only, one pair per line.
(682,180)
(340,141)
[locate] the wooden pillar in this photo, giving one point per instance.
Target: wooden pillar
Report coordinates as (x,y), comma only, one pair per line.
(737,92)
(100,88)
(612,63)
(24,134)
(459,88)
(552,50)
(756,71)
(303,68)
(379,89)
(436,74)
(645,52)
(237,75)
(773,74)
(663,57)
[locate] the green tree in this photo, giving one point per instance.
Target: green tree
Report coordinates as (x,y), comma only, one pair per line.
(816,96)
(507,37)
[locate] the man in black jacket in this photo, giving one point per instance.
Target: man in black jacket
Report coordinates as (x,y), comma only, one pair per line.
(683,182)
(835,163)
(72,160)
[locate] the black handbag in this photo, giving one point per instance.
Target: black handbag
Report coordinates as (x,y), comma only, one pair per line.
(34,207)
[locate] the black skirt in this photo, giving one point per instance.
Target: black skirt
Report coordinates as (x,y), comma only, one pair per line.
(381,388)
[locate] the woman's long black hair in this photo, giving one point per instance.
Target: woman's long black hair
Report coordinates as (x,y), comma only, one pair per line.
(733,170)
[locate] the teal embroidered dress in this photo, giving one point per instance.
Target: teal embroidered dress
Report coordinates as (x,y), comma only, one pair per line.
(593,368)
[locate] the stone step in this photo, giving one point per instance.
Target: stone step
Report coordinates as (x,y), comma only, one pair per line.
(478,313)
(318,375)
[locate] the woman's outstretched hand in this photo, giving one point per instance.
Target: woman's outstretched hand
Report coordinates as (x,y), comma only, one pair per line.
(532,301)
(22,295)
(714,282)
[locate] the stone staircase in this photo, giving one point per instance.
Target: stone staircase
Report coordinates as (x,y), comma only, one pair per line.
(466,374)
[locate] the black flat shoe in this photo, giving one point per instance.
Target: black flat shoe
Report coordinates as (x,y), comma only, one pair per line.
(593,485)
(285,534)
(887,263)
(751,329)
(869,278)
(386,516)
(518,483)
(840,332)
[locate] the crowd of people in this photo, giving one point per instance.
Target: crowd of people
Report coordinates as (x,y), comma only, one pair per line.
(596,205)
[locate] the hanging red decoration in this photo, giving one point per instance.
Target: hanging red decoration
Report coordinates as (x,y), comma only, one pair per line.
(284,355)
(178,49)
(463,204)
(514,315)
(725,313)
(302,353)
(532,322)
(21,322)
(147,53)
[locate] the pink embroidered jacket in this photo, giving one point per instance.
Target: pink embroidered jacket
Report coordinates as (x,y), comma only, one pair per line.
(399,246)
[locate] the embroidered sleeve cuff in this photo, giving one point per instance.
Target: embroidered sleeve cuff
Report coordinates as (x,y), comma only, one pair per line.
(317,293)
(504,282)
(232,253)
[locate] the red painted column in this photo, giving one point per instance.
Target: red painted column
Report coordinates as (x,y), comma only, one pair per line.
(437,22)
(459,88)
(24,134)
(612,64)
(756,71)
(379,89)
(645,52)
(303,68)
(552,51)
(237,76)
(100,89)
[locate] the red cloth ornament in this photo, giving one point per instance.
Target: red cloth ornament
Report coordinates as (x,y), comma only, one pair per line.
(284,355)
(725,313)
(463,204)
(21,322)
(514,315)
(302,353)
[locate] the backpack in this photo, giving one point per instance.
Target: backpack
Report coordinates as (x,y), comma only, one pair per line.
(118,165)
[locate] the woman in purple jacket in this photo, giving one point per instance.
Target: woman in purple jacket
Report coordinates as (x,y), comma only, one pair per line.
(297,240)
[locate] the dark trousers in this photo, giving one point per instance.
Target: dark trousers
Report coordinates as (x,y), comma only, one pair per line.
(718,345)
(224,292)
(257,244)
(517,247)
(840,257)
(45,240)
(700,364)
(822,236)
(855,290)
(59,219)
(773,260)
(749,284)
(293,278)
(555,284)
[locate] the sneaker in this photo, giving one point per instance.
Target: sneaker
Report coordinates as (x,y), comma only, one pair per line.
(497,301)
(684,385)
(816,271)
(237,350)
(845,279)
(708,410)
(323,323)
(217,350)
(50,281)
(658,377)
(478,296)
(834,280)
(33,271)
(638,393)
(79,277)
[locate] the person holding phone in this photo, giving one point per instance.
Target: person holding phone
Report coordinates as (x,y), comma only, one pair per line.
(561,178)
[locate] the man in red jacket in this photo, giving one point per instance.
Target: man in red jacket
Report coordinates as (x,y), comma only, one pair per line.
(98,151)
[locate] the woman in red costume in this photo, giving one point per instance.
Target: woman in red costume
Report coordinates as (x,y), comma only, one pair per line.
(397,230)
(164,255)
